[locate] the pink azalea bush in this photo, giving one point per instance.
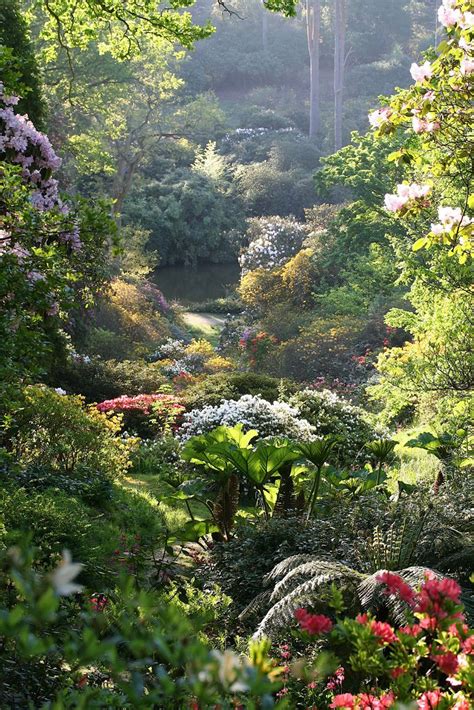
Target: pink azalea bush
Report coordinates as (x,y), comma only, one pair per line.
(162,410)
(427,662)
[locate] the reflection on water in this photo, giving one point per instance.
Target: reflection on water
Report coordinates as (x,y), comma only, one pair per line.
(189,284)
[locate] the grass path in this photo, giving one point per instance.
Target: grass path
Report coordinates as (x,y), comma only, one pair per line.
(204,325)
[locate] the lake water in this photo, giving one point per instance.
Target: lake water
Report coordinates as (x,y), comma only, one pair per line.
(196,284)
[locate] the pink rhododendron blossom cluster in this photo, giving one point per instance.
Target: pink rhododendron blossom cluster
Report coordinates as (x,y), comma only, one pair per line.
(421,72)
(379,117)
(139,403)
(23,144)
(421,125)
(406,196)
(450,218)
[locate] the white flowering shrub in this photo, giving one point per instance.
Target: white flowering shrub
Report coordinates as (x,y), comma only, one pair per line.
(277,419)
(169,350)
(330,414)
(272,241)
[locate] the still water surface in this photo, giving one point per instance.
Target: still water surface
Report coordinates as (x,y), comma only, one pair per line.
(203,282)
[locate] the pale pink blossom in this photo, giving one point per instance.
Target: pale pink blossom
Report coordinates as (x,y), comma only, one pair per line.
(378,117)
(448,16)
(405,194)
(394,203)
(421,72)
(467,66)
(467,21)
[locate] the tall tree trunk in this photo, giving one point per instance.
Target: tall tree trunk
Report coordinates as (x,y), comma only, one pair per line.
(264,12)
(313,33)
(339,61)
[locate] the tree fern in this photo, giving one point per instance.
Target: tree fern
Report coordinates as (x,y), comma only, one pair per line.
(306,580)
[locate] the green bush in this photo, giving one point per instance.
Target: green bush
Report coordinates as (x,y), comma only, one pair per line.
(98,379)
(56,521)
(239,565)
(215,388)
(158,457)
(331,414)
(59,431)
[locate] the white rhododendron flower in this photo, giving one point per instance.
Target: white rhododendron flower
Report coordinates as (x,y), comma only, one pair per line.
(62,577)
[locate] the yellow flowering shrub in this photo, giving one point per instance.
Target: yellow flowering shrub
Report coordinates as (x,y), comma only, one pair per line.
(61,431)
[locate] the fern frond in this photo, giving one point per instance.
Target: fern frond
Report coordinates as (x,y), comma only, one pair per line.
(318,571)
(282,568)
(256,605)
(312,592)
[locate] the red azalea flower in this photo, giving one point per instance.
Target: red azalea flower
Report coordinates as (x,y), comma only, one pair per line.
(429,700)
(447,662)
(345,700)
(396,585)
(383,631)
(468,646)
(314,624)
(362,618)
(397,672)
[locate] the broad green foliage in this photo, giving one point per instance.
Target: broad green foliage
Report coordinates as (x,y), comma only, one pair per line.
(19,69)
(129,627)
(116,28)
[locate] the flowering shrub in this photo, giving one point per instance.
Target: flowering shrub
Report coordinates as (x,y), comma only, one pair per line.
(438,108)
(256,346)
(60,430)
(51,254)
(162,410)
(429,659)
(329,413)
(272,241)
(277,419)
(170,349)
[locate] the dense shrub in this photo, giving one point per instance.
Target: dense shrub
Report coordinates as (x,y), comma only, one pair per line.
(271,241)
(214,388)
(133,316)
(325,347)
(56,520)
(254,412)
(99,379)
(331,414)
(240,565)
(60,431)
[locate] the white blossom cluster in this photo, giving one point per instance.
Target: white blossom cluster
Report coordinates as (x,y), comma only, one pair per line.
(329,413)
(170,350)
(255,132)
(254,412)
(273,240)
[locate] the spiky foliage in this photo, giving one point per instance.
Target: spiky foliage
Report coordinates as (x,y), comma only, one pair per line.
(306,580)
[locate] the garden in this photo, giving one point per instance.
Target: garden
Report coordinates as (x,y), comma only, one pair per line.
(276,511)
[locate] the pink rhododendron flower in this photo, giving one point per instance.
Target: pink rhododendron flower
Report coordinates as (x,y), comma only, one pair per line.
(449,16)
(314,624)
(420,72)
(405,193)
(429,700)
(467,20)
